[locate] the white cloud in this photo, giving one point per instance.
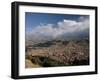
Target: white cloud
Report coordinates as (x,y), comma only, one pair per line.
(65,28)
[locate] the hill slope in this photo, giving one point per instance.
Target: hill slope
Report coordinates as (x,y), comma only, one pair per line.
(59,53)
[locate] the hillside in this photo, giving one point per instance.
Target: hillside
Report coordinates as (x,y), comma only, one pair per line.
(59,53)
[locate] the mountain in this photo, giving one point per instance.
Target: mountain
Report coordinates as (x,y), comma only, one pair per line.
(59,53)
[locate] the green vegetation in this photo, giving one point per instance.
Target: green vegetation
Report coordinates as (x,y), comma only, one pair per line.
(47,44)
(46,61)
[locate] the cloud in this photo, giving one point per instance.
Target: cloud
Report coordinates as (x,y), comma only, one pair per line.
(66,29)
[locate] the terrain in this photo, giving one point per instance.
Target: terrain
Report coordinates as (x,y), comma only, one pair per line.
(56,53)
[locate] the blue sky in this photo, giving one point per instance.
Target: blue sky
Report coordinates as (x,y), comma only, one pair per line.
(34,19)
(47,26)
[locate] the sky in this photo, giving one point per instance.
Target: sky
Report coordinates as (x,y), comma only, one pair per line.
(48,26)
